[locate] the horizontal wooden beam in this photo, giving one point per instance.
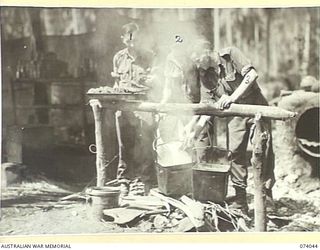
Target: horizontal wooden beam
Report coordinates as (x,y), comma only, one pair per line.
(198,109)
(54,106)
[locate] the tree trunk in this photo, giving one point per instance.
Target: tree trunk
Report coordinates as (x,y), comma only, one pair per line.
(216,31)
(228,27)
(36,30)
(257,42)
(269,14)
(313,68)
(306,47)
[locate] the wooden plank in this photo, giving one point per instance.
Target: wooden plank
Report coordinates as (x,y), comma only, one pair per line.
(54,106)
(192,215)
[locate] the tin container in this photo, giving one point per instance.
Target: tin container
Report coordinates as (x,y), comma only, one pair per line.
(100,198)
(210,182)
(176,180)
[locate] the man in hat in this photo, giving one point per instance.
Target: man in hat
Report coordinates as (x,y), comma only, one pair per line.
(180,77)
(131,64)
(182,85)
(135,130)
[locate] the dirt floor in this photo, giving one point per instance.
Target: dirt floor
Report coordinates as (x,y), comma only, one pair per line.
(33,208)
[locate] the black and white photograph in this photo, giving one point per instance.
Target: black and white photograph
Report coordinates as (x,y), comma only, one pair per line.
(159,120)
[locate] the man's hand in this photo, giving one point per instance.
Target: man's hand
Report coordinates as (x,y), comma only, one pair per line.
(189,140)
(224,102)
(188,128)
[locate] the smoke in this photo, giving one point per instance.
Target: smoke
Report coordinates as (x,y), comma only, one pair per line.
(168,28)
(162,31)
(171,31)
(167,24)
(168,31)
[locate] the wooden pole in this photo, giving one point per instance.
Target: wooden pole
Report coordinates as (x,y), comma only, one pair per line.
(101,161)
(258,163)
(200,109)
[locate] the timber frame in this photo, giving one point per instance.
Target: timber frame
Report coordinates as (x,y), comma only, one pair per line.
(102,102)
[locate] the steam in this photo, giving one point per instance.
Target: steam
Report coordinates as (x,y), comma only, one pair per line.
(168,31)
(165,31)
(173,34)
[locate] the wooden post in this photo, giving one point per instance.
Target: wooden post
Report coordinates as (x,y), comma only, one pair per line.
(215,132)
(101,161)
(258,163)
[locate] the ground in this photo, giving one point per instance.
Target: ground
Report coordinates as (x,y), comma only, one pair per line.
(36,211)
(32,208)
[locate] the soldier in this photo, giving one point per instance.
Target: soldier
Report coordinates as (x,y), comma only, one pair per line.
(229,77)
(182,85)
(131,64)
(180,76)
(179,87)
(135,130)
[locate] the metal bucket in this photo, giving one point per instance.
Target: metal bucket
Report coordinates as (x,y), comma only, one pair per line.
(100,198)
(174,168)
(210,182)
(176,180)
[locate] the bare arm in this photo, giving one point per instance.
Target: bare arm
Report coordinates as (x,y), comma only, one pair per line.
(246,83)
(197,124)
(248,80)
(189,127)
(114,73)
